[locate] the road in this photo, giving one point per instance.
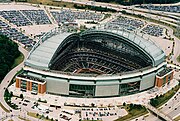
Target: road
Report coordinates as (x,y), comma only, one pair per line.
(4,84)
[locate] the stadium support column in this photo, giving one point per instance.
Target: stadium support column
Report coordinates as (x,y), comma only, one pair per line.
(27,85)
(30,86)
(41,88)
(18,83)
(159,82)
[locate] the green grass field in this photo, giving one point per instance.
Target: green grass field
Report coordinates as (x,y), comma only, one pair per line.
(6,110)
(178,58)
(164,98)
(133,113)
(177,118)
(23,119)
(52,3)
(39,116)
(18,60)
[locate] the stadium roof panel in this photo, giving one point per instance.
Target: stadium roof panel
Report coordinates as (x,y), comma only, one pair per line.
(146,45)
(41,56)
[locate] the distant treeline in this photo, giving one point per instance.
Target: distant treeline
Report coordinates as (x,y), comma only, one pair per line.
(95,8)
(8,53)
(132,2)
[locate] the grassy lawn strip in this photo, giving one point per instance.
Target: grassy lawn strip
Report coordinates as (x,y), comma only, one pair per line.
(106,16)
(39,116)
(23,119)
(52,3)
(91,120)
(177,118)
(178,58)
(162,99)
(18,60)
(133,112)
(33,115)
(69,5)
(6,110)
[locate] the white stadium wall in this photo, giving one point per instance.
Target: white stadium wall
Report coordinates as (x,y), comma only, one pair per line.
(57,86)
(148,81)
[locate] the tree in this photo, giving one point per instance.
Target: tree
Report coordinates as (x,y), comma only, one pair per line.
(92,104)
(132,2)
(8,52)
(124,104)
(156,97)
(21,96)
(11,94)
(131,106)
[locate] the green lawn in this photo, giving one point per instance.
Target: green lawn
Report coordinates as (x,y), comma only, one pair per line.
(39,116)
(23,119)
(106,16)
(91,120)
(133,113)
(178,58)
(52,3)
(168,95)
(159,101)
(32,114)
(6,110)
(18,60)
(177,118)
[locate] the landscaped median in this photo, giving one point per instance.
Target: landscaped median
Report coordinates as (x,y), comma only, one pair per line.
(178,58)
(90,120)
(18,60)
(24,119)
(162,99)
(177,118)
(134,111)
(36,115)
(2,106)
(7,97)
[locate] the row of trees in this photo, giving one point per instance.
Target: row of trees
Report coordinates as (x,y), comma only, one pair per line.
(159,100)
(95,8)
(8,53)
(132,2)
(7,97)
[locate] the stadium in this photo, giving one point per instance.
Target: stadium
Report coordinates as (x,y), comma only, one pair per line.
(93,63)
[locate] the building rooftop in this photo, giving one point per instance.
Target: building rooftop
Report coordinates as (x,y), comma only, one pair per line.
(164,72)
(42,55)
(31,76)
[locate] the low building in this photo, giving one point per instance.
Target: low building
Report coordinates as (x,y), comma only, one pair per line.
(28,81)
(164,76)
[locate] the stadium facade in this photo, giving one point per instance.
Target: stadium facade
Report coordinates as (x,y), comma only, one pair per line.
(93,63)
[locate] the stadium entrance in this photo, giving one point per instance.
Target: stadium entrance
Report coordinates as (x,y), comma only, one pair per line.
(81,90)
